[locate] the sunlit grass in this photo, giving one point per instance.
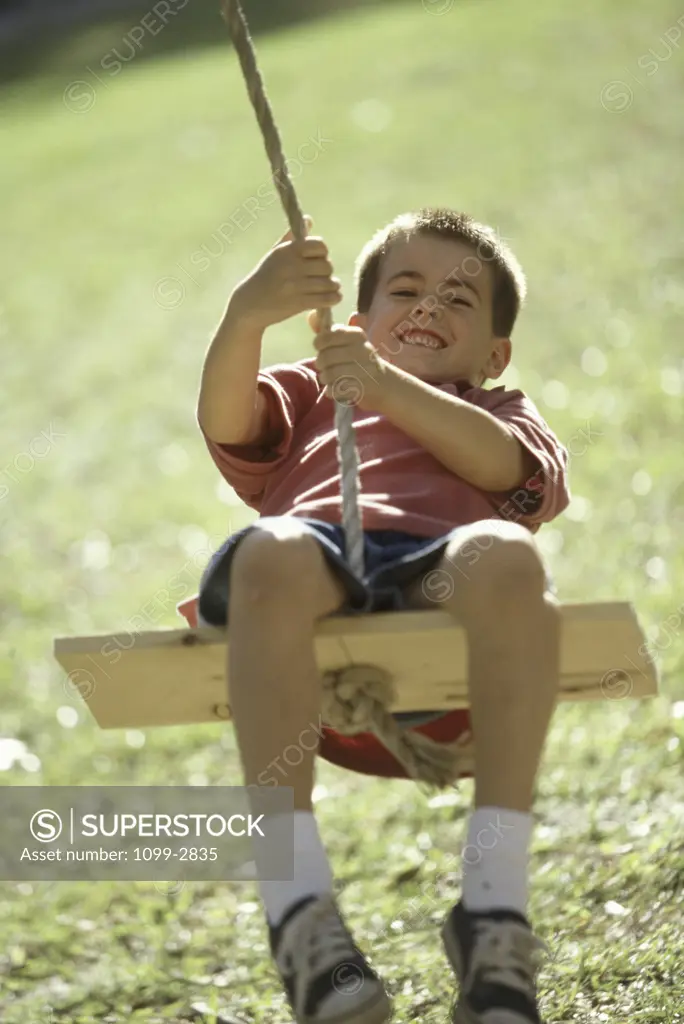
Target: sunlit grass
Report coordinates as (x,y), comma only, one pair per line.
(495,108)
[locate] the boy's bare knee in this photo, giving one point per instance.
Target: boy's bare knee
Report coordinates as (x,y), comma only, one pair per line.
(280,564)
(510,565)
(262,558)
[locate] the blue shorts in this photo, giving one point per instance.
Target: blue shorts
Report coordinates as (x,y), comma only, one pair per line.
(392,560)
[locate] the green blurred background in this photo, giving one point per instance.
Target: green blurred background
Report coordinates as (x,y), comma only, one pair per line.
(131,165)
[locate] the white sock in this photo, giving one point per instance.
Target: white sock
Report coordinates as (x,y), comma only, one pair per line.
(312,874)
(495,859)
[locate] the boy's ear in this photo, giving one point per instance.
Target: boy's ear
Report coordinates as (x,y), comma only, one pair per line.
(358,320)
(499,358)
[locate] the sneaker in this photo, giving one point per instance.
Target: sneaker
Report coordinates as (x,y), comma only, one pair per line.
(326,977)
(494,955)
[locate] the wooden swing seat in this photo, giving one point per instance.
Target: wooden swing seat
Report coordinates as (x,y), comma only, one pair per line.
(177,676)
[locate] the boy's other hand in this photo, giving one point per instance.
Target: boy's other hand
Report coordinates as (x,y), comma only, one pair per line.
(292,277)
(350,368)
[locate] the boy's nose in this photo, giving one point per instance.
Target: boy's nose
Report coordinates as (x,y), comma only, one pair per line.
(433,309)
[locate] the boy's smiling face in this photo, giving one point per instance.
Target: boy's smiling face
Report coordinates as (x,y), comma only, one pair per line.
(431,313)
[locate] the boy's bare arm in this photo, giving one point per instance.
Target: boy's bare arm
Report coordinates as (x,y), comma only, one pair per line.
(468,440)
(230,409)
(291,278)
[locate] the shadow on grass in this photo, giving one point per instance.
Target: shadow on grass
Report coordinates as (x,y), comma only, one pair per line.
(52,46)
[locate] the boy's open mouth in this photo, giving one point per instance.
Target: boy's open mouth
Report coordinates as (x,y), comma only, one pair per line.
(426,339)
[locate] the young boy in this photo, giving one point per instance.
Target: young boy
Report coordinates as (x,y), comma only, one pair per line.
(453,477)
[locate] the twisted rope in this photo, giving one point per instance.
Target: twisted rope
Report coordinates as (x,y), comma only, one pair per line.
(347,454)
(353,701)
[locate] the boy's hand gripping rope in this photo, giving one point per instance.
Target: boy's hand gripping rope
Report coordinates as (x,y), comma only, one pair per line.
(354,699)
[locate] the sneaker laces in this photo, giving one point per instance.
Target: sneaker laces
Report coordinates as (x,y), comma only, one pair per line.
(318,938)
(505,953)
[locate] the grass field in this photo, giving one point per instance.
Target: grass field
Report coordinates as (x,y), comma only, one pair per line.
(129,215)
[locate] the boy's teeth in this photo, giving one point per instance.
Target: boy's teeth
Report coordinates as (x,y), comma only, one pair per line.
(422,339)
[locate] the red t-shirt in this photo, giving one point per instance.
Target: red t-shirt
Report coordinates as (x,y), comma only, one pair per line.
(402,486)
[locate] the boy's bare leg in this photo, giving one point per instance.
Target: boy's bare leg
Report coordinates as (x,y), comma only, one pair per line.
(280,585)
(497,592)
(495,584)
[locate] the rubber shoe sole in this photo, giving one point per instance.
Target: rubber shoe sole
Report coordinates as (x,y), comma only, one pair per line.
(379,1011)
(460,1013)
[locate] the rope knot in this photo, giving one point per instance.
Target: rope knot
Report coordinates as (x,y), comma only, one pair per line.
(355,697)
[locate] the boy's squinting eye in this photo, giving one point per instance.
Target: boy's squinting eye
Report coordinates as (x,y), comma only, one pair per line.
(457,300)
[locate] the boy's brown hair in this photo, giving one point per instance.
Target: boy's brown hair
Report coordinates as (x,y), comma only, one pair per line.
(508,279)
